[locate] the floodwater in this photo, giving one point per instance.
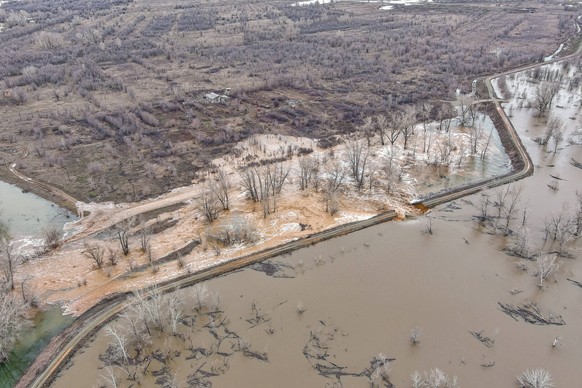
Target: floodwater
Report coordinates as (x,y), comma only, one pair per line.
(364,292)
(46,325)
(27,214)
(475,168)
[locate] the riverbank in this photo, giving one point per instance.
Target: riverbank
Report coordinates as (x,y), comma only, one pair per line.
(43,190)
(89,323)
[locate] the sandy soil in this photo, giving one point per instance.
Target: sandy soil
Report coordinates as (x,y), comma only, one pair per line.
(68,277)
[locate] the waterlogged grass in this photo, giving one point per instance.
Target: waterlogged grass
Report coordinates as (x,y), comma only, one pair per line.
(46,325)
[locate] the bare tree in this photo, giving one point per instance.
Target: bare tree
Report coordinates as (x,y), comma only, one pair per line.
(308,171)
(535,378)
(122,230)
(52,235)
(465,104)
(423,109)
(108,378)
(119,342)
(221,188)
(96,253)
(175,309)
(200,295)
(506,200)
(383,128)
(144,235)
(544,96)
(445,113)
(545,266)
(209,205)
(394,127)
(112,256)
(334,176)
(554,126)
(415,335)
(265,184)
(484,203)
(435,378)
(521,245)
(9,259)
(12,323)
(557,131)
(510,206)
(357,157)
(475,134)
(406,124)
(252,182)
(367,129)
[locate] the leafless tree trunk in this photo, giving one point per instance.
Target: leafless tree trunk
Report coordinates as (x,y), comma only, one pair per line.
(357,157)
(544,96)
(175,312)
(108,378)
(308,171)
(406,125)
(252,183)
(144,236)
(475,134)
(382,123)
(510,206)
(119,342)
(209,205)
(535,378)
(95,252)
(8,261)
(201,296)
(368,129)
(557,131)
(578,215)
(332,182)
(465,108)
(52,235)
(546,265)
(11,322)
(122,230)
(221,188)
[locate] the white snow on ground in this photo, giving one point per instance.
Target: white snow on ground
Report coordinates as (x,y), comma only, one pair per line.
(396,2)
(559,49)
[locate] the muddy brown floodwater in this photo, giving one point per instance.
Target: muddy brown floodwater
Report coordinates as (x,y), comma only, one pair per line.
(364,292)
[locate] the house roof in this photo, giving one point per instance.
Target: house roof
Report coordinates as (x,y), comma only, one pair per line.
(211,96)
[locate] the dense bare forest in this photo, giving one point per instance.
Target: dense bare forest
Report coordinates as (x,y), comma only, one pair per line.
(122,100)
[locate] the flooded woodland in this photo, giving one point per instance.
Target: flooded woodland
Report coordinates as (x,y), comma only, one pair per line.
(447,290)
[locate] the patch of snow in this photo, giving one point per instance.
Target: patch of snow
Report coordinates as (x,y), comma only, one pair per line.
(546,59)
(352,217)
(292,227)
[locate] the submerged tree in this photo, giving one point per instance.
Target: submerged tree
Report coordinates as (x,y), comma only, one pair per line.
(9,259)
(434,378)
(535,378)
(544,96)
(11,322)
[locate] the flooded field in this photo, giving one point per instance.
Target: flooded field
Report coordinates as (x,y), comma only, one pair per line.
(44,326)
(26,214)
(323,315)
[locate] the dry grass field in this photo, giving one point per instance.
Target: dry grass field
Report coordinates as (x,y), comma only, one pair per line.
(109,96)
